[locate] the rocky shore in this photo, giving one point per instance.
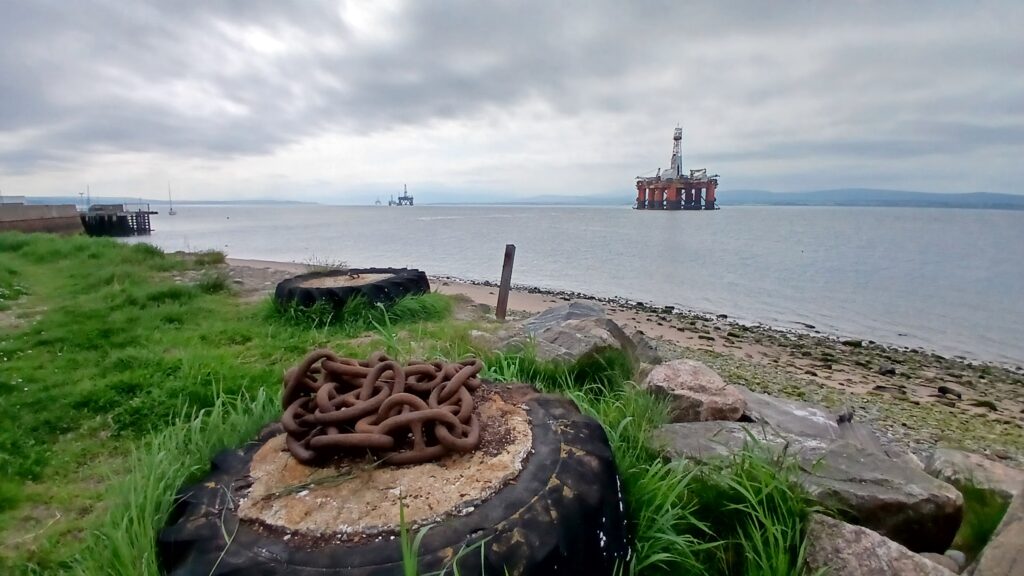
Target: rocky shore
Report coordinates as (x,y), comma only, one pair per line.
(913,398)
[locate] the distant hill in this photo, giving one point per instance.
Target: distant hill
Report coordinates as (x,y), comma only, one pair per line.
(872,197)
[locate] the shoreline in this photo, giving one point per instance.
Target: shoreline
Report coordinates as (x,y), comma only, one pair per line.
(898,390)
(534,299)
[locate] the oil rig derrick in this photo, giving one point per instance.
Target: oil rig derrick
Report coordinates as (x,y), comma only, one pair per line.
(672,189)
(404,200)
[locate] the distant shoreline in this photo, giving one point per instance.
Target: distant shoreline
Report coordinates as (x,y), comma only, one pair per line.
(534,299)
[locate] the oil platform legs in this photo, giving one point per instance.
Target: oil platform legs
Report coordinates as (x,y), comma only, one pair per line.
(672,197)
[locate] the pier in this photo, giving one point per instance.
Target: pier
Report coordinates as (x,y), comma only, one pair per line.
(117,220)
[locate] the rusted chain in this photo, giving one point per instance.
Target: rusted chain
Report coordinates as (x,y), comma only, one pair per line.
(402,414)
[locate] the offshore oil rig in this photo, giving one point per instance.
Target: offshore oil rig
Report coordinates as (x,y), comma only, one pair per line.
(672,190)
(404,200)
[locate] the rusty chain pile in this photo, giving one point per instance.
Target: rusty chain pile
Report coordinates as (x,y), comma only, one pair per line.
(403,415)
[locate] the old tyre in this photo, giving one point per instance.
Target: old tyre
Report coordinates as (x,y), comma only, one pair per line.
(338,287)
(562,515)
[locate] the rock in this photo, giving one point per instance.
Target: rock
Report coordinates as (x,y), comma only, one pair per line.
(898,500)
(887,370)
(886,389)
(695,392)
(646,351)
(1004,554)
(941,560)
(958,558)
(789,416)
(946,402)
(961,468)
(853,343)
(845,415)
(483,340)
(840,548)
(947,391)
(984,403)
(572,331)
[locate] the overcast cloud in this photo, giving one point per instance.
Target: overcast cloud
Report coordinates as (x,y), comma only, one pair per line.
(343,100)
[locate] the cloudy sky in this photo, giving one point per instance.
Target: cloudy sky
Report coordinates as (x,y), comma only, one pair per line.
(341,101)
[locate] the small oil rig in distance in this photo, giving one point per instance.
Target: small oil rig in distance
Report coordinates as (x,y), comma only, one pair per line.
(672,190)
(403,200)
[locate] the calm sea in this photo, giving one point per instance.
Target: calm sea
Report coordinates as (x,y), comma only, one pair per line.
(941,279)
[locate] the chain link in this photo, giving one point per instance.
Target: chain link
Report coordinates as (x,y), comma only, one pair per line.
(402,414)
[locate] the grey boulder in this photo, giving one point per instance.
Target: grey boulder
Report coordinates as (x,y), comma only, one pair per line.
(796,418)
(789,416)
(571,331)
(964,468)
(899,501)
(840,548)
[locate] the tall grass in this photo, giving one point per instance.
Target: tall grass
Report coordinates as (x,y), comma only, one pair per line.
(359,315)
(125,541)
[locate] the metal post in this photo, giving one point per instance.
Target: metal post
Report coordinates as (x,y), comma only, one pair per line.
(506,281)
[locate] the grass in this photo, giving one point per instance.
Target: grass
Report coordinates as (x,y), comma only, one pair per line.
(107,352)
(124,542)
(118,383)
(359,315)
(983,510)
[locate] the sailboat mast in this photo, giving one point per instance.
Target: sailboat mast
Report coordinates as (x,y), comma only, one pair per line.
(170,202)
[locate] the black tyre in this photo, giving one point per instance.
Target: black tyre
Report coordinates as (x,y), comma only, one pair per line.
(563,514)
(338,287)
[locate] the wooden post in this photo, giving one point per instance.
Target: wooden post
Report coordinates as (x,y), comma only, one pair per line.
(506,281)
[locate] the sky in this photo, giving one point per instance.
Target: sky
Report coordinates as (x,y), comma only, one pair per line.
(347,101)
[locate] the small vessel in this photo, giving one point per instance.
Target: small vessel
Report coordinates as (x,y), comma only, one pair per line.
(170,203)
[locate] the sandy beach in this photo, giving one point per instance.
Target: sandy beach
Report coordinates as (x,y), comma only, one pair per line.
(914,397)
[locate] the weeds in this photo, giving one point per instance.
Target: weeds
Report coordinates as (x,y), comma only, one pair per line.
(208,258)
(322,264)
(983,511)
(214,282)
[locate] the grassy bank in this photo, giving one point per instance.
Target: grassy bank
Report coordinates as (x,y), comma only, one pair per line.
(123,369)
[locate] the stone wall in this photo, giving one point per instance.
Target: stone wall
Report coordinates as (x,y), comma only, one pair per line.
(62,218)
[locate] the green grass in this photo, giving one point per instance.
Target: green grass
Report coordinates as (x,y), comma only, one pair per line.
(124,542)
(109,350)
(359,315)
(983,510)
(117,384)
